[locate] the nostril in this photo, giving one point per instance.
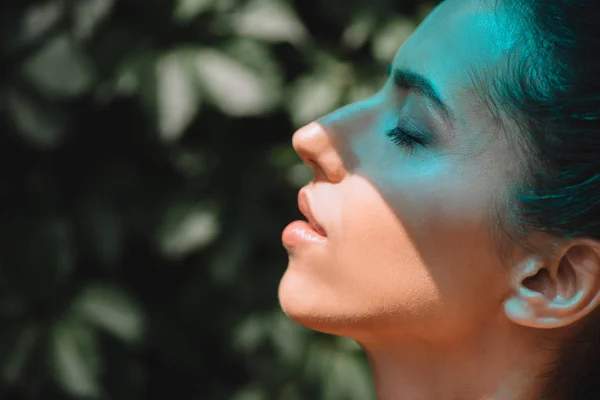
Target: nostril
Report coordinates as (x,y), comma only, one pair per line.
(318,172)
(311,162)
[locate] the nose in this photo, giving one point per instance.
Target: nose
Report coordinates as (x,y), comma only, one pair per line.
(317,150)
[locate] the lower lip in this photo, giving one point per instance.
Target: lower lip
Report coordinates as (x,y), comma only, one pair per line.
(300,232)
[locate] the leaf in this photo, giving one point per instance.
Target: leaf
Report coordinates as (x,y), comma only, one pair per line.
(282,156)
(312,98)
(299,175)
(319,93)
(134,75)
(60,68)
(187,228)
(256,56)
(317,364)
(178,98)
(365,89)
(75,358)
(390,37)
(288,338)
(39,19)
(249,334)
(347,344)
(112,310)
(88,14)
(187,10)
(235,88)
(270,21)
(348,379)
(41,127)
(358,31)
(193,163)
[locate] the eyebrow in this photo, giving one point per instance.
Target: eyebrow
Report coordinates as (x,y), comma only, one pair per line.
(409,80)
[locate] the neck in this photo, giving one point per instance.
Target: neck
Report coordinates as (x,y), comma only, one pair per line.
(498,364)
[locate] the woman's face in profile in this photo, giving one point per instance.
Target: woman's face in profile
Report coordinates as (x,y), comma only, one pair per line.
(409,250)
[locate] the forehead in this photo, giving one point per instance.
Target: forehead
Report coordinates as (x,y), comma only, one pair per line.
(458,39)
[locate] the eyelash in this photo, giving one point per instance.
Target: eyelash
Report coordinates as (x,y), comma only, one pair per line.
(404,138)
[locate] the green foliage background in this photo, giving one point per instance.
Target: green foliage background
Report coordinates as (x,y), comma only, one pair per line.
(147,174)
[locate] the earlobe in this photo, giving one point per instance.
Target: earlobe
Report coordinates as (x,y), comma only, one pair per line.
(524,305)
(539,312)
(518,311)
(533,309)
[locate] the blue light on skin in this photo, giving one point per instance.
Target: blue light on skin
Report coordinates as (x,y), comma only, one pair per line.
(408,268)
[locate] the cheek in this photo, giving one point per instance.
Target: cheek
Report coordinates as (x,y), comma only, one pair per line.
(372,232)
(450,226)
(420,250)
(377,262)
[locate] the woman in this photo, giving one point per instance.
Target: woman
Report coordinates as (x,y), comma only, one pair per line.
(455,215)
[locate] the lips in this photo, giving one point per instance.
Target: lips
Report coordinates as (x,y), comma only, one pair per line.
(305,208)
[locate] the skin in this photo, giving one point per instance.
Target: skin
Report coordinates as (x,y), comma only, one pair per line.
(409,268)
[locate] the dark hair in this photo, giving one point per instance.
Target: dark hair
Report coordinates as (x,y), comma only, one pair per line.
(550,88)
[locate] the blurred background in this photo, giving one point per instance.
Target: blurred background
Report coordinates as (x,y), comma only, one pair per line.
(147,173)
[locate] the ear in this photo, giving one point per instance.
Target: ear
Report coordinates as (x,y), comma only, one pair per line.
(556,293)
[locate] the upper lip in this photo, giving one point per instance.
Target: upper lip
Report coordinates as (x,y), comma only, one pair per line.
(305,208)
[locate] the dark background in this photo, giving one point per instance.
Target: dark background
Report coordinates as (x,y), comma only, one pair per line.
(147,173)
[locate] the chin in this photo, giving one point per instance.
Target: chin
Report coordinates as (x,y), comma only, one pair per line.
(296,298)
(305,304)
(315,307)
